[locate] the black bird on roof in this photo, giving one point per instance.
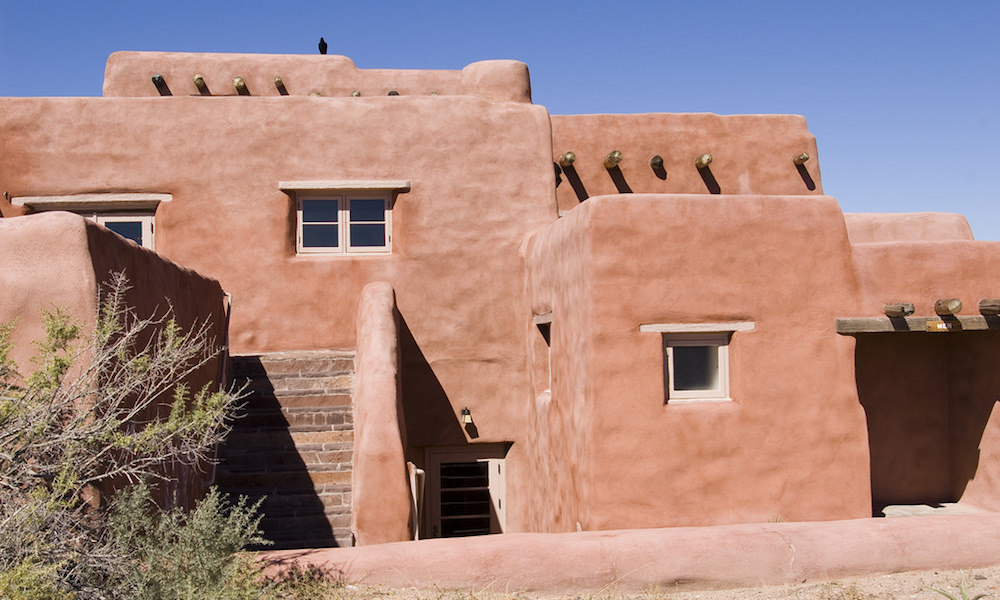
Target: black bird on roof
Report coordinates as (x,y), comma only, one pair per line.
(322,46)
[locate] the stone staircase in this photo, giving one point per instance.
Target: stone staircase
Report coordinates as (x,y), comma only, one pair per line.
(294,445)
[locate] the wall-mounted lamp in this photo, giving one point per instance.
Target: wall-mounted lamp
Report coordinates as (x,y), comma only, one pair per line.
(612,159)
(703,161)
(801,158)
(199,82)
(566,159)
(161,85)
(241,86)
(466,416)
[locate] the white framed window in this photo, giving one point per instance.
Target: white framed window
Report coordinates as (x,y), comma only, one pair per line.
(346,223)
(696,366)
(696,359)
(139,228)
(130,215)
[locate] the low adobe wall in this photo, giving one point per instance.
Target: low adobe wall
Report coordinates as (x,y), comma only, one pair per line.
(61,260)
(902,227)
(752,154)
(380,490)
(130,74)
(666,559)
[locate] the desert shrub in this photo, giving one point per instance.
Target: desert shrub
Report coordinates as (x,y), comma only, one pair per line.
(102,411)
(179,554)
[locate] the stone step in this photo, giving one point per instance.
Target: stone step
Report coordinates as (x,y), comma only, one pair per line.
(293,417)
(282,438)
(295,480)
(340,383)
(283,459)
(291,364)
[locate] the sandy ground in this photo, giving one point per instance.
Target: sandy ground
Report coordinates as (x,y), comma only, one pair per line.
(911,585)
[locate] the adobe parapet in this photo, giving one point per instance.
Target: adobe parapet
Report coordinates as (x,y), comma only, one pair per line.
(133,74)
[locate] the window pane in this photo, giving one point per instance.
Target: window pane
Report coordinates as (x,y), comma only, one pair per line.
(696,367)
(367,210)
(368,235)
(319,211)
(130,230)
(319,236)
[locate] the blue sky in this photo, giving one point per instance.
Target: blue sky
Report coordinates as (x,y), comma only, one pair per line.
(903,97)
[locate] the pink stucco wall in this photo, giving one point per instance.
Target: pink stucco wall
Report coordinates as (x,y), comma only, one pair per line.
(664,560)
(60,260)
(130,73)
(455,262)
(902,227)
(752,154)
(381,496)
(790,445)
(478,249)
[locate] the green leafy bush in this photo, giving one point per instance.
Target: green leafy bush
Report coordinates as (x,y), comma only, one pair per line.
(111,411)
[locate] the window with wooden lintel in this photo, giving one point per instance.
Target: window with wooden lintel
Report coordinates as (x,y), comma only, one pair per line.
(343,216)
(130,215)
(696,359)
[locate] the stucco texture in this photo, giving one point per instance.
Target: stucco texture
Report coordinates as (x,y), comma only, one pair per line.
(60,260)
(751,154)
(676,558)
(381,496)
(790,445)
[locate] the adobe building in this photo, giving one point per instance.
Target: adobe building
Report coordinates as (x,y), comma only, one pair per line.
(463,315)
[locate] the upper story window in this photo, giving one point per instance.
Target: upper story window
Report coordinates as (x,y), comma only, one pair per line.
(696,359)
(354,222)
(130,215)
(344,217)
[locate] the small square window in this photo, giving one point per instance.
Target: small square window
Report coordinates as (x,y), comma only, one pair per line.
(696,366)
(347,223)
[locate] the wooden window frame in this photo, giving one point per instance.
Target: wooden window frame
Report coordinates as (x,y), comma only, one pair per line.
(344,245)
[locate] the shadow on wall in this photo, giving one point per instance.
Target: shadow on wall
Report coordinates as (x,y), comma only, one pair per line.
(430,418)
(928,400)
(260,460)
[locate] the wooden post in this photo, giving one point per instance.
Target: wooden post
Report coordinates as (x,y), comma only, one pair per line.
(241,86)
(656,162)
(801,158)
(703,161)
(612,159)
(161,85)
(990,306)
(898,309)
(199,82)
(279,84)
(566,159)
(947,306)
